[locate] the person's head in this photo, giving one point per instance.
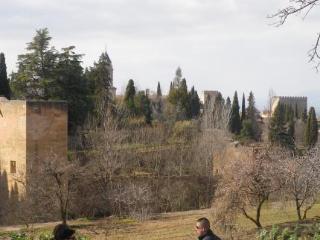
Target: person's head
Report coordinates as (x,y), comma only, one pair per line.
(63,232)
(202,226)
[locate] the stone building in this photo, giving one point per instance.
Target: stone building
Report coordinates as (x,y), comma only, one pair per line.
(298,104)
(30,132)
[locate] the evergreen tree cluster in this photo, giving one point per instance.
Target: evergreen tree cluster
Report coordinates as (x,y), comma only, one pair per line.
(282,126)
(281,129)
(246,125)
(187,104)
(138,104)
(45,73)
(311,131)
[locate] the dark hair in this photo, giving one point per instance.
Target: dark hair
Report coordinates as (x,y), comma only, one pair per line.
(62,231)
(204,222)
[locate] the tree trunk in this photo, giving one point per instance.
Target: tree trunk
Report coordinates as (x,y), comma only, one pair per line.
(298,209)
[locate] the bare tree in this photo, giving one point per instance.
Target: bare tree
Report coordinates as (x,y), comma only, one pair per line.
(300,181)
(300,7)
(246,183)
(63,176)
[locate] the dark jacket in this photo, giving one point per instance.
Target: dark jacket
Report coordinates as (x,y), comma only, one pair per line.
(209,236)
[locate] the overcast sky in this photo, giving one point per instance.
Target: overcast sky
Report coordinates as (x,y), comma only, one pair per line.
(223,45)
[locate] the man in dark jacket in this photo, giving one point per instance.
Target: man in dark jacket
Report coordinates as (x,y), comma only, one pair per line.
(203,230)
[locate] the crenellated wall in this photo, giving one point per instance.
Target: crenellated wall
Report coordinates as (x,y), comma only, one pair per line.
(299,103)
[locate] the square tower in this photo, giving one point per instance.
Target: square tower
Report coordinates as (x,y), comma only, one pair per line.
(31,131)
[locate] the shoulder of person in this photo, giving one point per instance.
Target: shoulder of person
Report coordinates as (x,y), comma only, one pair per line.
(214,237)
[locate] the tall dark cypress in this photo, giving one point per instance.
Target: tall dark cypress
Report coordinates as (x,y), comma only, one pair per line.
(129,97)
(194,103)
(159,92)
(311,132)
(147,110)
(235,122)
(4,83)
(243,108)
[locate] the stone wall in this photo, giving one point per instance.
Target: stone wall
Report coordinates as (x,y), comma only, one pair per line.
(299,103)
(13,140)
(47,133)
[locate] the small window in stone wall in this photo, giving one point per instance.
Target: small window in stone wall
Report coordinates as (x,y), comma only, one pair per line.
(13,167)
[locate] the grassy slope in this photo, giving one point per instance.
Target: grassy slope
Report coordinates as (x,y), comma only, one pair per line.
(178,226)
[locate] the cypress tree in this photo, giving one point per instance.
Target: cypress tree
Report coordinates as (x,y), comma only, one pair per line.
(277,124)
(129,97)
(4,83)
(243,108)
(235,122)
(311,132)
(194,103)
(252,117)
(147,110)
(159,92)
(183,102)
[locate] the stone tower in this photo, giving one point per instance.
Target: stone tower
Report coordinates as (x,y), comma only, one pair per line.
(31,131)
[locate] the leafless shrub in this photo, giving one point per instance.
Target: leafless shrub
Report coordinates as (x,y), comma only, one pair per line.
(300,181)
(246,183)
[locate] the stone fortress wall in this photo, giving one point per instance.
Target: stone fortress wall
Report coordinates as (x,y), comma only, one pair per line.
(299,103)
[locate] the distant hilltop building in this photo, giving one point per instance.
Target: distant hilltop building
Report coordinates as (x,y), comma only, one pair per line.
(31,131)
(298,104)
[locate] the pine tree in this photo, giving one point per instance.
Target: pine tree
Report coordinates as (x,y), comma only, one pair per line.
(235,122)
(311,131)
(129,97)
(159,92)
(4,83)
(72,86)
(243,108)
(36,69)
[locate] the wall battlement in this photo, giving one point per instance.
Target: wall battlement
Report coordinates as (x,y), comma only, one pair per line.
(298,103)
